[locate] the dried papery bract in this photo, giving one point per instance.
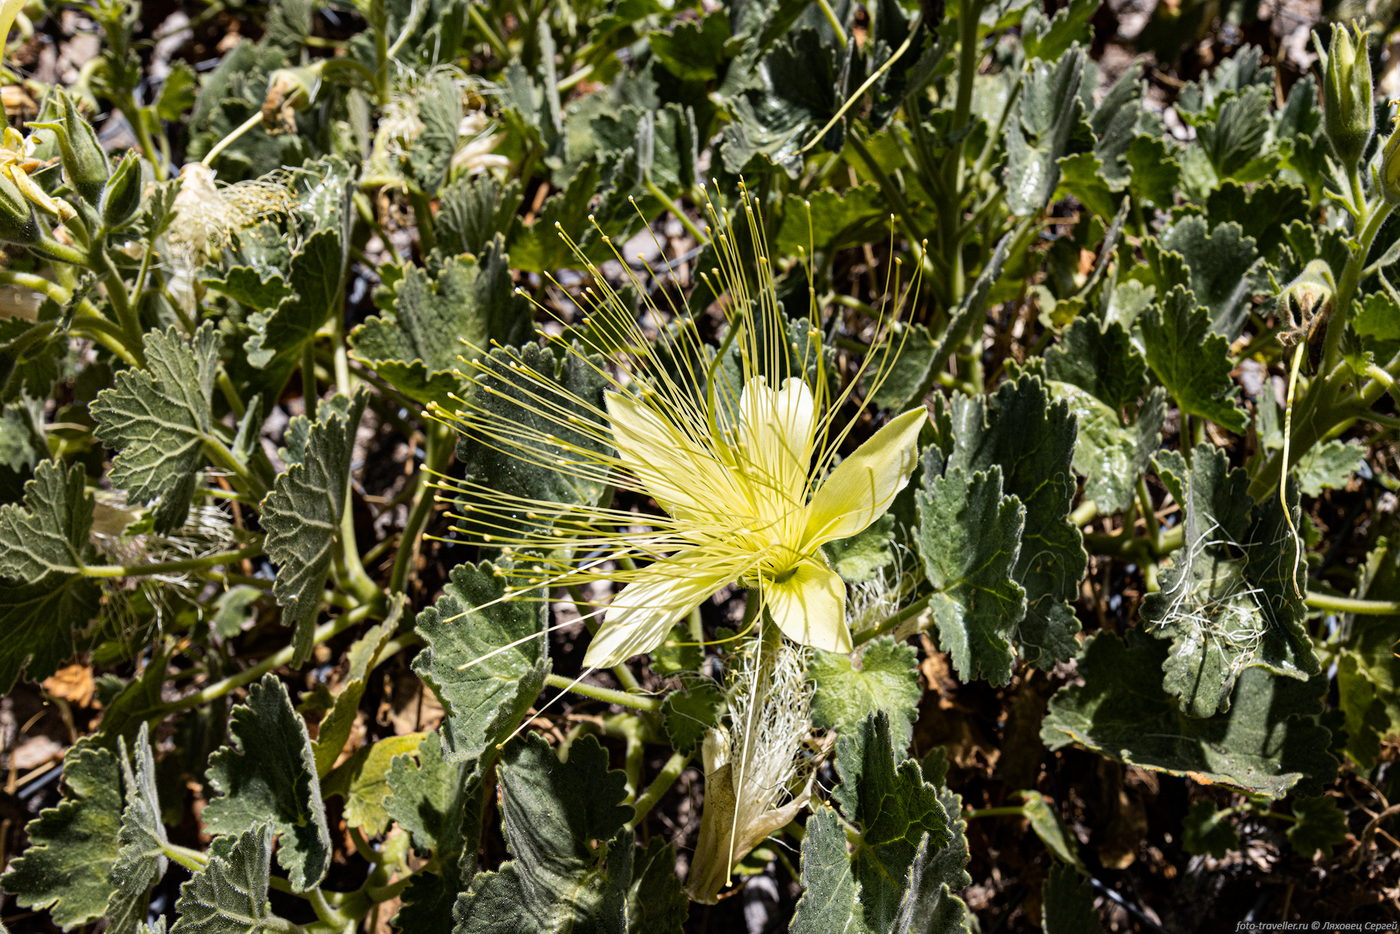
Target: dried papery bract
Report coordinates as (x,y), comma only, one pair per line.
(205,214)
(738,446)
(758,770)
(206,531)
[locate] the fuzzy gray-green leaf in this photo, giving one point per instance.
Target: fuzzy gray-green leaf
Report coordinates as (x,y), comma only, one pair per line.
(439,317)
(1031,439)
(1220,265)
(229,895)
(656,902)
(885,678)
(157,418)
(1327,466)
(830,902)
(314,277)
(1232,599)
(73,845)
(1067,903)
(340,719)
(269,775)
(141,861)
(1191,360)
(43,597)
(302,514)
(486,665)
(1038,133)
(565,825)
(423,789)
(1268,742)
(1102,361)
(908,859)
(969,535)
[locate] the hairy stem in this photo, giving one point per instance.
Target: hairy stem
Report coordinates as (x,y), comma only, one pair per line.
(607,695)
(670,771)
(173,567)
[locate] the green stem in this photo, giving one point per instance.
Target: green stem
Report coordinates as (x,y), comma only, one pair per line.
(624,676)
(969,55)
(1084,513)
(223,458)
(323,633)
(1006,810)
(607,695)
(219,147)
(634,753)
(488,32)
(415,19)
(437,450)
(888,187)
(830,16)
(675,211)
(382,893)
(969,14)
(60,252)
(1346,288)
(569,83)
(230,393)
(193,860)
(670,771)
(38,283)
(352,570)
(1384,379)
(423,218)
(126,103)
(1149,516)
(308,378)
(172,567)
(893,622)
(327,912)
(117,295)
(1334,603)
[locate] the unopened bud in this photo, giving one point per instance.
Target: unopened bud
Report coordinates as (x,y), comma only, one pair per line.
(1346,86)
(1306,300)
(1388,175)
(122,194)
(17,224)
(84,161)
(289,90)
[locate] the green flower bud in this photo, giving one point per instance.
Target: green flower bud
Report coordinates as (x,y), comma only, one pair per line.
(1388,176)
(1348,116)
(17,224)
(1305,301)
(85,164)
(122,195)
(289,90)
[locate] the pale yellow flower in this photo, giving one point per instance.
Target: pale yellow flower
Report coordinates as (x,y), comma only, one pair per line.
(744,465)
(749,512)
(9,9)
(16,162)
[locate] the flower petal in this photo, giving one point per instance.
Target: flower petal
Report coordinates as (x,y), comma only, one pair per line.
(809,606)
(9,9)
(777,429)
(680,474)
(644,611)
(864,485)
